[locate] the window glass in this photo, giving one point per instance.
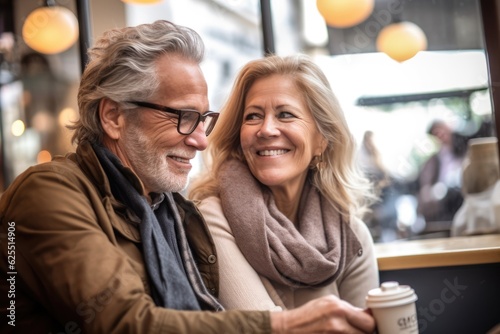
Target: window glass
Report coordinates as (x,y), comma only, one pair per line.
(413,120)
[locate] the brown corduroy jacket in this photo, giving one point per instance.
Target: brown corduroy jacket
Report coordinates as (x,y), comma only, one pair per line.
(71,259)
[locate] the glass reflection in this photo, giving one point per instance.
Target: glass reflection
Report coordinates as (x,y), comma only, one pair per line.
(414,120)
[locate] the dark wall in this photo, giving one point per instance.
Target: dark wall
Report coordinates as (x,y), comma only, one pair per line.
(6,16)
(454,299)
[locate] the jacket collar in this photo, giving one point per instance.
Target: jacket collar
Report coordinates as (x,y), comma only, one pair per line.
(89,163)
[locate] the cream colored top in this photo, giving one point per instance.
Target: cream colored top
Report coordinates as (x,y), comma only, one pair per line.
(241,287)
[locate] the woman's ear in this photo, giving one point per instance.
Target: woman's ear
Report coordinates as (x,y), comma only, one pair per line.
(112,120)
(322,145)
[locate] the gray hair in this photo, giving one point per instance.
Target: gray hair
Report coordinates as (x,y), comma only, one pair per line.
(122,67)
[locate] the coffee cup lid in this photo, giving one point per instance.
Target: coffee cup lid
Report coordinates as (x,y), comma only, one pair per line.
(390,294)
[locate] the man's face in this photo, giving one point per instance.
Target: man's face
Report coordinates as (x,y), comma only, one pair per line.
(152,147)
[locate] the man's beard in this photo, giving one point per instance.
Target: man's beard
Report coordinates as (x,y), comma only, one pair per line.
(149,162)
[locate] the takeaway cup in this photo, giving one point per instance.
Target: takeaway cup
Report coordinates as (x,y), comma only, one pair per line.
(393,307)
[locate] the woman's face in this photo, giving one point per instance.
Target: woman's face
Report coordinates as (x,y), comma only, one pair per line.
(278,136)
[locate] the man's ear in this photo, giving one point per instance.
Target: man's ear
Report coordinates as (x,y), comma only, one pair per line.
(112,120)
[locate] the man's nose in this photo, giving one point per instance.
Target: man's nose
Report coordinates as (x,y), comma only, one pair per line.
(198,138)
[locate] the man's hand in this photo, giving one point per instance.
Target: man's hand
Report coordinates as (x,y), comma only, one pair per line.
(327,314)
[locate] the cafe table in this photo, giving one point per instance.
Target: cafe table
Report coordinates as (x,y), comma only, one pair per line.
(456,279)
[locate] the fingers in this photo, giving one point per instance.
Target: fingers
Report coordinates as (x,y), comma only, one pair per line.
(328,314)
(349,319)
(361,320)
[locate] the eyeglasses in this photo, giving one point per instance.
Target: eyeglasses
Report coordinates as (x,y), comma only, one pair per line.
(188,119)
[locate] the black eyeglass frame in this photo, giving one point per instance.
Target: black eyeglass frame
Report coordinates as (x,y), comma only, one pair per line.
(180,113)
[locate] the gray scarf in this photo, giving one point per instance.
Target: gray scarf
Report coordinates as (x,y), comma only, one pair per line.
(313,254)
(170,284)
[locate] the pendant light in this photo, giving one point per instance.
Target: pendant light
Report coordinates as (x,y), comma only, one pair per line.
(50,29)
(401,40)
(345,13)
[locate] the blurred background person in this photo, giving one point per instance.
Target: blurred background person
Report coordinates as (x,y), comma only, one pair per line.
(382,218)
(439,180)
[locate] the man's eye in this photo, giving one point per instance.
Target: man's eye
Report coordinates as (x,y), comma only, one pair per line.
(189,116)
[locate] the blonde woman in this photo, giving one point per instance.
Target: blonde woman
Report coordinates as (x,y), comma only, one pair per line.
(282,196)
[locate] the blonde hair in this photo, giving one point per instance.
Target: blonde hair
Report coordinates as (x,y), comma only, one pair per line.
(338,179)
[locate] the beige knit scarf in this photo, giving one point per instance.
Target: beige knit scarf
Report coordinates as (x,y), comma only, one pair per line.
(312,255)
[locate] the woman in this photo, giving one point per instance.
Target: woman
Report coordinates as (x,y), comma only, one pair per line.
(282,195)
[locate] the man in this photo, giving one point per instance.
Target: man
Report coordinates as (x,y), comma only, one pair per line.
(103,243)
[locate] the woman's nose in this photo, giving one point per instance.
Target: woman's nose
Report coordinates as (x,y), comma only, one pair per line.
(269,127)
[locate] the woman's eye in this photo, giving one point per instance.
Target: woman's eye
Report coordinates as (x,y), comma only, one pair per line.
(286,114)
(252,116)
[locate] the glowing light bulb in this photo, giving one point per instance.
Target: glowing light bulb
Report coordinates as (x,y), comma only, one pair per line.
(17,128)
(401,41)
(50,30)
(345,13)
(43,156)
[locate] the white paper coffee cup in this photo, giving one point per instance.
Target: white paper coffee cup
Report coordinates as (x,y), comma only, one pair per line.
(393,307)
